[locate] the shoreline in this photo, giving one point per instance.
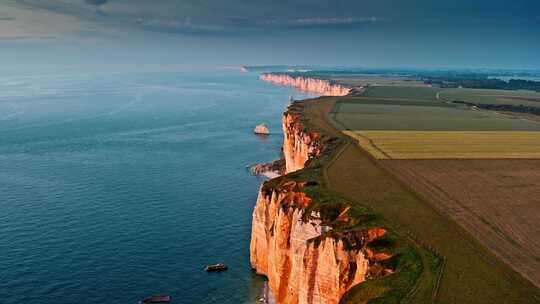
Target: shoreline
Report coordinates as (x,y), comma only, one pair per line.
(315,265)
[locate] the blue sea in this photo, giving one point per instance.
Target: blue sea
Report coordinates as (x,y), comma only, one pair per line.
(117,185)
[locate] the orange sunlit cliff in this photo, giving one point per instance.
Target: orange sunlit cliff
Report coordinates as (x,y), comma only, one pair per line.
(304,260)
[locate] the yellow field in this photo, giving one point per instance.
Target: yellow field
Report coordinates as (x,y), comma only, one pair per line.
(449,144)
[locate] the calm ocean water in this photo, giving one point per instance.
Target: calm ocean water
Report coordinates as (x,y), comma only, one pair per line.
(116,186)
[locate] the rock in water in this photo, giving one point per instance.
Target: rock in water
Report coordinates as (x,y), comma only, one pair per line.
(216,267)
(261,129)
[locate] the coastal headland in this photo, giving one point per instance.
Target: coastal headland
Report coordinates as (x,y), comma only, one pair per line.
(341,226)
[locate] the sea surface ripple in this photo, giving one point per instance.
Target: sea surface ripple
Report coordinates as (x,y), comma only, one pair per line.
(116,186)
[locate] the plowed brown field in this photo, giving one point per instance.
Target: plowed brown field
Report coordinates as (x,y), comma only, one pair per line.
(498,201)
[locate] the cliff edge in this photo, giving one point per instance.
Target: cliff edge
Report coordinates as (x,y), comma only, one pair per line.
(305,248)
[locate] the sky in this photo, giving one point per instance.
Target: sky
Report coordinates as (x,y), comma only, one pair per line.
(203,33)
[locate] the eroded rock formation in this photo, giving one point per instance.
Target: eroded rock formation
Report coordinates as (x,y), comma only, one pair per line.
(272,169)
(298,145)
(300,270)
(308,84)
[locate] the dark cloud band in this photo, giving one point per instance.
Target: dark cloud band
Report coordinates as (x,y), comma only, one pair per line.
(96,2)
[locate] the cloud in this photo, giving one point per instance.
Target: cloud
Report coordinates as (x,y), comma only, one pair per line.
(96,2)
(27,38)
(21,21)
(322,22)
(185,26)
(317,21)
(242,17)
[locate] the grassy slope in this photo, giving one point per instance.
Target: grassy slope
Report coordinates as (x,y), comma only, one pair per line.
(416,267)
(416,93)
(472,274)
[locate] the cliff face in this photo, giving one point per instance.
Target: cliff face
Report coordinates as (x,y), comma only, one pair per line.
(298,146)
(302,265)
(304,260)
(314,85)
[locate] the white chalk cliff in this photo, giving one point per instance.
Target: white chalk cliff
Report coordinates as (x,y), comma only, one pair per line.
(308,84)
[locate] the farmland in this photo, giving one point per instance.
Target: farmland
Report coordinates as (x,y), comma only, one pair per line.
(449,144)
(477,167)
(369,113)
(472,273)
(480,96)
(516,104)
(365,80)
(496,201)
(403,92)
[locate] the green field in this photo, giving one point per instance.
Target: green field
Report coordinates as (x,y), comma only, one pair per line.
(472,274)
(403,92)
(478,96)
(373,80)
(367,113)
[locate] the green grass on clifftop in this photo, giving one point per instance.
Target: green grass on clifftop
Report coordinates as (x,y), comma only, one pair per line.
(472,274)
(416,267)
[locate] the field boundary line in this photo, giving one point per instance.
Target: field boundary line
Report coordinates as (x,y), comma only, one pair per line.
(414,289)
(373,144)
(438,282)
(332,161)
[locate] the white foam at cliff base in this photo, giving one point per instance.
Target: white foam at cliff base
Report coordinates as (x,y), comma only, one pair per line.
(271,174)
(268,297)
